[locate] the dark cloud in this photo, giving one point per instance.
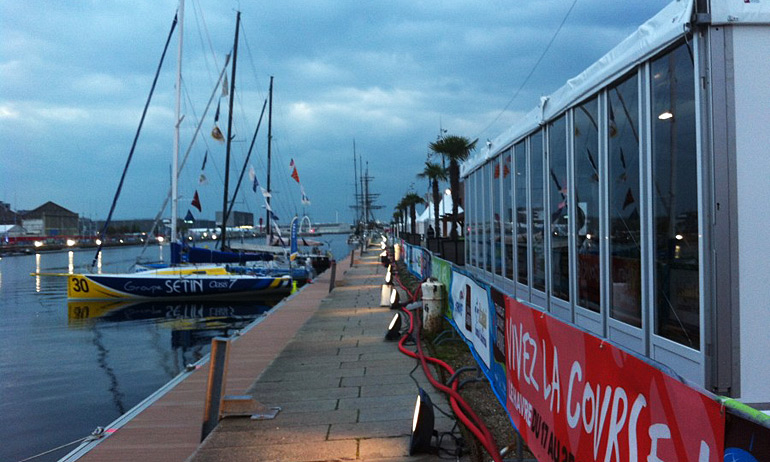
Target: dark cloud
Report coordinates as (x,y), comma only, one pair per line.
(75,76)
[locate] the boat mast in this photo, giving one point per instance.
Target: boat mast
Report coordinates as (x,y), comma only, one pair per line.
(355,183)
(175,157)
(223,243)
(269,157)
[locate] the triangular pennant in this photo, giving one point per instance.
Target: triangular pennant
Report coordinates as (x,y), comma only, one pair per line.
(189,218)
(196,202)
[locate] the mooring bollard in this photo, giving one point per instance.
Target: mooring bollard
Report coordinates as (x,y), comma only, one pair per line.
(216,384)
(334,274)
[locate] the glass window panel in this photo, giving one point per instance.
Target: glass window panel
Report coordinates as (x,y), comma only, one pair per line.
(508,213)
(497,241)
(587,202)
(479,217)
(522,222)
(470,212)
(624,225)
(557,184)
(675,204)
(489,236)
(537,212)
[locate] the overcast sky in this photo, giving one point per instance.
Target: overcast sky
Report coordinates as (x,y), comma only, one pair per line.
(74,77)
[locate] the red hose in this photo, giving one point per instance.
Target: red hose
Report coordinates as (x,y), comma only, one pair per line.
(459,405)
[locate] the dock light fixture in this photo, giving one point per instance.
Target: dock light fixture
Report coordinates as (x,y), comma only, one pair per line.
(666,115)
(422,425)
(387,289)
(394,299)
(394,328)
(160,239)
(98,242)
(71,242)
(38,243)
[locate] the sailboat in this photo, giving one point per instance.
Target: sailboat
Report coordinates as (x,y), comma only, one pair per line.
(182,282)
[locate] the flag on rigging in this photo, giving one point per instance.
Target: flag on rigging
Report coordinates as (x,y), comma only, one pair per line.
(217,134)
(189,218)
(253,177)
(203,179)
(196,202)
(304,199)
(294,173)
(224,87)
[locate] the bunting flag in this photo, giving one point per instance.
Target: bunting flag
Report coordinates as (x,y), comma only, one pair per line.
(294,173)
(225,90)
(217,134)
(196,202)
(270,211)
(305,200)
(203,179)
(205,159)
(216,115)
(189,218)
(253,177)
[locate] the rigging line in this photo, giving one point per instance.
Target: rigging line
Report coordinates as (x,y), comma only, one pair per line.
(245,164)
(184,158)
(208,36)
(253,66)
(531,72)
(133,145)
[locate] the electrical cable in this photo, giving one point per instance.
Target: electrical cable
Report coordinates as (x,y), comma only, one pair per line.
(461,408)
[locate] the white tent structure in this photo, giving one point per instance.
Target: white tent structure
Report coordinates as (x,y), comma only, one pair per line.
(426,219)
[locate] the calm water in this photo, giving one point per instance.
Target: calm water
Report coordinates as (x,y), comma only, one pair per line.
(67,368)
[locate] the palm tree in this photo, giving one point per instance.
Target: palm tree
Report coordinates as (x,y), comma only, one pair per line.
(398,215)
(434,173)
(455,149)
(410,201)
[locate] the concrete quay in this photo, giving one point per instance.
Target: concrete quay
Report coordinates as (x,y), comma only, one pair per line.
(344,392)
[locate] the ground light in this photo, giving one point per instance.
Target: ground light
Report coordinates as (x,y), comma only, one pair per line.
(394,299)
(394,328)
(387,288)
(422,425)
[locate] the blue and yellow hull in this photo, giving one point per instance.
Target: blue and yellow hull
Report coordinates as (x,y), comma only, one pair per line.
(165,286)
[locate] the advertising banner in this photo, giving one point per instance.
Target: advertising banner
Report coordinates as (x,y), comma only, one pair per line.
(574,397)
(470,313)
(418,261)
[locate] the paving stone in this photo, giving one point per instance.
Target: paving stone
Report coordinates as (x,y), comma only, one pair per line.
(285,396)
(323,450)
(376,402)
(373,429)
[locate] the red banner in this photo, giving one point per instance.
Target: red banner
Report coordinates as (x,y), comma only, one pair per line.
(576,398)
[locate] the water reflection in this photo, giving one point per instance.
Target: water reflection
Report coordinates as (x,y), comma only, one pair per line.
(191,323)
(37,272)
(70,262)
(192,326)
